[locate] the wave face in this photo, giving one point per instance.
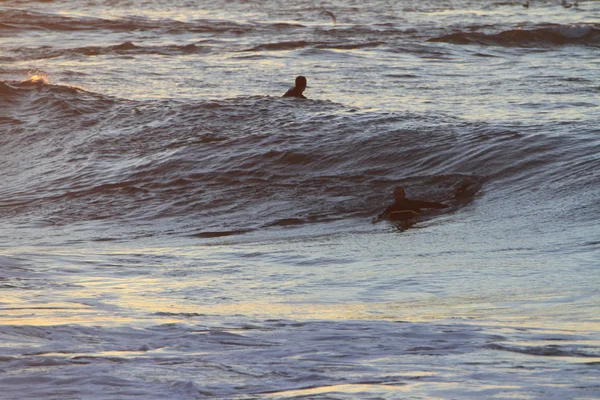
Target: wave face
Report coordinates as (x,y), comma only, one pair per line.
(255,162)
(123,49)
(585,34)
(25,20)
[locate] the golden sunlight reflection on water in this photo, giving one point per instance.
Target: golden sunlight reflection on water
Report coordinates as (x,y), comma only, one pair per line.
(37,77)
(155,285)
(146,300)
(382,388)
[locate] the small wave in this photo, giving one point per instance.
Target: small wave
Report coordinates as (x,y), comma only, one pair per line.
(547,36)
(293,45)
(290,45)
(288,222)
(547,351)
(37,96)
(178,315)
(507,4)
(205,235)
(126,48)
(30,20)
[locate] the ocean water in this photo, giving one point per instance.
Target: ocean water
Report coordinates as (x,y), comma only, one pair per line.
(171,228)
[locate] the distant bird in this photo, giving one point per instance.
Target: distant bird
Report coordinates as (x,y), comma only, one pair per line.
(332,15)
(526,5)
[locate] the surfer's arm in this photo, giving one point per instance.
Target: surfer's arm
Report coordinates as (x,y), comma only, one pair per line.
(294,92)
(385,213)
(428,204)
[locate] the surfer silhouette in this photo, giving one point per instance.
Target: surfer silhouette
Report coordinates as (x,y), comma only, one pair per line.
(405,209)
(297,90)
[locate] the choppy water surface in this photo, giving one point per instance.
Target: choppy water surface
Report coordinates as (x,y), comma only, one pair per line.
(172,228)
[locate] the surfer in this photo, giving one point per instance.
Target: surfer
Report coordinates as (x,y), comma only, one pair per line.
(297,90)
(405,209)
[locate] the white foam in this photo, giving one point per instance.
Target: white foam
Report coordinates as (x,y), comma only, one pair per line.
(574,31)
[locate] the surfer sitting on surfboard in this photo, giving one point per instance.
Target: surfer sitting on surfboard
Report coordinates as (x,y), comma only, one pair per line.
(405,209)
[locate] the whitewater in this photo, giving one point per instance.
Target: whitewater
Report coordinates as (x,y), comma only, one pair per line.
(172,228)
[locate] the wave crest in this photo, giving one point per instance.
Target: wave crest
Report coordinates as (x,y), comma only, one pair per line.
(14,19)
(546,36)
(126,48)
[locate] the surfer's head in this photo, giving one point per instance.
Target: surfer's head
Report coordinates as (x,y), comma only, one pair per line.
(301,83)
(399,193)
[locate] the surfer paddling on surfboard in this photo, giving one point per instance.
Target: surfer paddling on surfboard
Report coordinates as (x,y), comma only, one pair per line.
(405,209)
